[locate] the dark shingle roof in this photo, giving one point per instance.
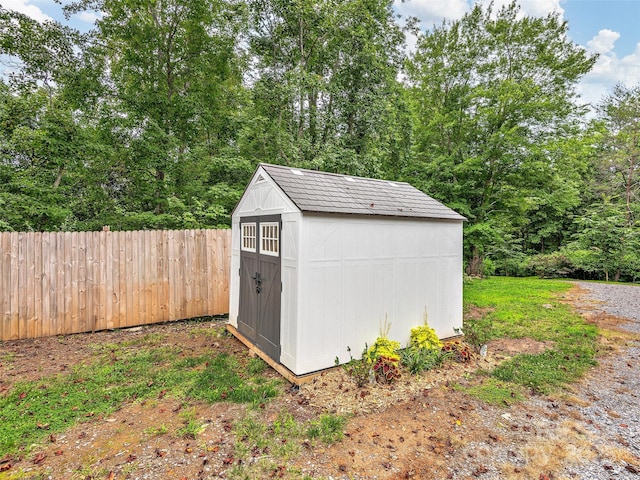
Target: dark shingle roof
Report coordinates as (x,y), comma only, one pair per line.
(314,191)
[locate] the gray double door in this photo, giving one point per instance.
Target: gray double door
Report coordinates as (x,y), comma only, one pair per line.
(260,283)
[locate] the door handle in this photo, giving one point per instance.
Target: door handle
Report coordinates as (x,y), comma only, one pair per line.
(258,280)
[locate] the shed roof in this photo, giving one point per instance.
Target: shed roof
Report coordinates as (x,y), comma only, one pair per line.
(322,192)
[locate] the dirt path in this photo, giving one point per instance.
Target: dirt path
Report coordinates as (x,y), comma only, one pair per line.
(420,429)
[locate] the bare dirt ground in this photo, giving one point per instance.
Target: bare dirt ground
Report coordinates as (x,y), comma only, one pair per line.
(418,428)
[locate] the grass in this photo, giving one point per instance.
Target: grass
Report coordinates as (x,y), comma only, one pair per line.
(31,411)
(263,449)
(496,392)
(530,307)
(328,428)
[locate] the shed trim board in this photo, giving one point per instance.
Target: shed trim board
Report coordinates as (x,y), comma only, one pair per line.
(344,272)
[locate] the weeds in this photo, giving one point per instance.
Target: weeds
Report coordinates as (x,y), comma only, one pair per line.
(220,380)
(256,366)
(157,431)
(359,370)
(192,426)
(328,428)
(477,332)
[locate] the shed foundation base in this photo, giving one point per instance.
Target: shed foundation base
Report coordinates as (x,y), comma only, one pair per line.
(278,367)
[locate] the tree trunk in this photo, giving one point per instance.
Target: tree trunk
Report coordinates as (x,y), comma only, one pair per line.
(158,193)
(475,265)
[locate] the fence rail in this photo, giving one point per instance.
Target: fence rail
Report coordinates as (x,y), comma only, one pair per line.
(70,282)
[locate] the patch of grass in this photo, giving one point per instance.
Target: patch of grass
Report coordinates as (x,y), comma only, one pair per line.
(8,357)
(256,366)
(157,431)
(31,411)
(222,380)
(328,428)
(212,331)
(496,392)
(529,307)
(192,426)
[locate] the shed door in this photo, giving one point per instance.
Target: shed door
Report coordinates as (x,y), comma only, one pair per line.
(260,285)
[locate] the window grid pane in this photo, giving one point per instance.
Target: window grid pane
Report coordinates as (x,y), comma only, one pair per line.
(269,238)
(248,242)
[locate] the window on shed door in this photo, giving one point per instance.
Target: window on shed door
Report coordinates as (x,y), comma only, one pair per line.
(248,243)
(270,238)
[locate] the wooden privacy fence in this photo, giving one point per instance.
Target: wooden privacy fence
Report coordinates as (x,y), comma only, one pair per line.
(69,282)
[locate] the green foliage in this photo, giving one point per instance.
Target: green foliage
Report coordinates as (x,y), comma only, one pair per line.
(328,428)
(528,308)
(192,427)
(418,360)
(477,331)
(497,392)
(487,135)
(383,347)
(424,337)
(256,366)
(358,369)
(551,265)
(222,380)
(147,122)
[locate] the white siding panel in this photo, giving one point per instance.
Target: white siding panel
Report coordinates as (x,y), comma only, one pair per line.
(234,278)
(354,272)
(290,281)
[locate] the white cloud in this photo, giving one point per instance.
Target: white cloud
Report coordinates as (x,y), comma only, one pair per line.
(609,69)
(603,42)
(530,8)
(432,12)
(26,8)
(88,17)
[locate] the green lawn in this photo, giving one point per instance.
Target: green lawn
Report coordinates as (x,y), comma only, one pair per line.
(531,307)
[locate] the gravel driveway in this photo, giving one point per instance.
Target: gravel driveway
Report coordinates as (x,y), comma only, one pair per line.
(613,415)
(590,432)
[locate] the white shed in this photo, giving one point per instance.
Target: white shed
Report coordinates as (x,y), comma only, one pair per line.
(319,260)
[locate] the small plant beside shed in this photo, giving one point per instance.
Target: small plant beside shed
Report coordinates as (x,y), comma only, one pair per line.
(385,360)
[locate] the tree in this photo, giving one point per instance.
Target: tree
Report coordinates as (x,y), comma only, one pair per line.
(174,75)
(620,113)
(493,95)
(326,93)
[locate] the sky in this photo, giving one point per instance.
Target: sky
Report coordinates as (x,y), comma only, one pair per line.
(606,27)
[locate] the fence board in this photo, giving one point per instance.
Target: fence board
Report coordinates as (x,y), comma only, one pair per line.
(68,284)
(5,286)
(107,287)
(35,287)
(72,282)
(14,277)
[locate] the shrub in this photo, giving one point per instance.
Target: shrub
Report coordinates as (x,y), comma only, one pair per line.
(477,332)
(386,370)
(458,350)
(551,265)
(383,346)
(425,338)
